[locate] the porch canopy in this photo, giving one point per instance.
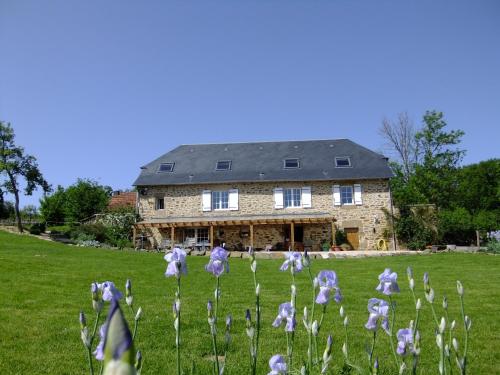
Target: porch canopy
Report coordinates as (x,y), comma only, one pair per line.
(250,220)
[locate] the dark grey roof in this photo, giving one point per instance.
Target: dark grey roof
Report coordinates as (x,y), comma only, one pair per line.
(263,161)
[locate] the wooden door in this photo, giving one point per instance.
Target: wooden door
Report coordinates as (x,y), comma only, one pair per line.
(352,237)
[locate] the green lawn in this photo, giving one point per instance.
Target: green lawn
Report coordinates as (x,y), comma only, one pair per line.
(44,285)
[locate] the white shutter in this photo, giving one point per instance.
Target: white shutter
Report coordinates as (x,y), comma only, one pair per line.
(278,198)
(306,197)
(336,195)
(207,200)
(357,194)
(233,199)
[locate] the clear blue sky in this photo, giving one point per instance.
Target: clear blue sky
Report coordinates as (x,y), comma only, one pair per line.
(98,88)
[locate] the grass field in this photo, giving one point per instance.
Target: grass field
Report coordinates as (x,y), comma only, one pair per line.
(44,285)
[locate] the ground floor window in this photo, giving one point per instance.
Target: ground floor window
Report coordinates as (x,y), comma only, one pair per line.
(196,236)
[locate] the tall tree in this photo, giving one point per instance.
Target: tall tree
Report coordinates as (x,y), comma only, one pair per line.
(17,166)
(436,176)
(400,137)
(84,199)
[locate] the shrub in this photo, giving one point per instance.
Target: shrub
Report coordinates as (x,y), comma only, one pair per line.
(60,229)
(340,237)
(413,232)
(455,226)
(98,231)
(37,228)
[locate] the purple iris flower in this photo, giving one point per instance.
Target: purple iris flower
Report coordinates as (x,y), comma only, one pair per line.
(109,291)
(388,282)
(405,341)
(379,310)
(277,364)
(176,263)
(99,350)
(293,259)
(327,284)
(286,312)
(218,262)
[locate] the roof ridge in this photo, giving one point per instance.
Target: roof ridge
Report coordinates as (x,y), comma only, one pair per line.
(256,142)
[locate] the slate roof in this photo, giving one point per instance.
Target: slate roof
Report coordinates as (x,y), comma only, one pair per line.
(263,161)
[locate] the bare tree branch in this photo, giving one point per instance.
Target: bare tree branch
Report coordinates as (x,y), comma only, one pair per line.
(400,138)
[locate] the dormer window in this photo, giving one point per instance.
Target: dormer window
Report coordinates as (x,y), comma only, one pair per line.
(166,167)
(223,165)
(291,163)
(343,162)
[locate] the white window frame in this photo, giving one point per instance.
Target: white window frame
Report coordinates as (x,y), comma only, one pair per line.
(157,201)
(350,187)
(218,201)
(293,192)
(343,166)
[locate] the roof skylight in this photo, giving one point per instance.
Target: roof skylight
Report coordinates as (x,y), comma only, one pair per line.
(291,163)
(343,162)
(223,165)
(166,167)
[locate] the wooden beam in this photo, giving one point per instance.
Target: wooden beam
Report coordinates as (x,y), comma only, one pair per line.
(251,236)
(172,236)
(134,234)
(292,235)
(333,233)
(211,236)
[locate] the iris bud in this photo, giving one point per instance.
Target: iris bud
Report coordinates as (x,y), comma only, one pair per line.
(430,295)
(341,311)
(442,325)
(253,266)
(138,315)
(315,328)
(460,288)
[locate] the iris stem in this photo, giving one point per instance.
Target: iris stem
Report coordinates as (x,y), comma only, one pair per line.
(309,351)
(464,368)
(294,299)
(391,330)
(257,321)
(91,366)
(178,330)
(214,330)
(136,323)
(370,357)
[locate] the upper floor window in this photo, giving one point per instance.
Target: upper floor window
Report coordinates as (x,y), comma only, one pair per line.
(346,195)
(223,165)
(160,204)
(292,197)
(220,200)
(291,163)
(166,167)
(343,162)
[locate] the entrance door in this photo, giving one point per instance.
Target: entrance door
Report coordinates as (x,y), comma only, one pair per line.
(298,237)
(352,237)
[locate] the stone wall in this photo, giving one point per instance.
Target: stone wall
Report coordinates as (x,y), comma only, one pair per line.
(258,198)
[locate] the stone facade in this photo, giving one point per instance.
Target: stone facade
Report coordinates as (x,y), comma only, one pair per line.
(257,198)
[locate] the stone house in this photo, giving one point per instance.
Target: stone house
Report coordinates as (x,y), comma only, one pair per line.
(268,195)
